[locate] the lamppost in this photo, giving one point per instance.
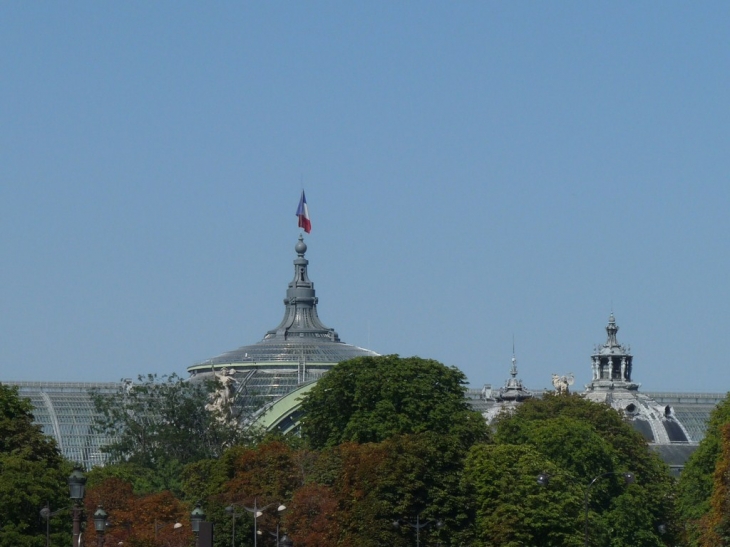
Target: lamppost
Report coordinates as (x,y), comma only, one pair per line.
(100,525)
(46,513)
(417,526)
(276,534)
(231,510)
(543,479)
(257,511)
(196,517)
(279,509)
(77,489)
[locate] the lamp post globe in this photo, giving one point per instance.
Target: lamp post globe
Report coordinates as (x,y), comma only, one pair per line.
(77,489)
(100,520)
(77,485)
(100,525)
(196,517)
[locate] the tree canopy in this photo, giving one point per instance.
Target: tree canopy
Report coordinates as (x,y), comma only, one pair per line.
(698,480)
(580,441)
(392,439)
(161,424)
(369,399)
(32,474)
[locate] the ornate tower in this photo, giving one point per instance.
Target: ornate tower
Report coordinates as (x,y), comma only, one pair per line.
(612,366)
(612,363)
(513,389)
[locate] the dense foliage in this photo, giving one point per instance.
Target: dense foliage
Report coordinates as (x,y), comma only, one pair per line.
(392,440)
(582,440)
(32,474)
(369,399)
(698,480)
(137,520)
(510,508)
(161,424)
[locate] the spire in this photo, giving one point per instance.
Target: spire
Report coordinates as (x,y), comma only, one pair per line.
(513,389)
(513,370)
(300,316)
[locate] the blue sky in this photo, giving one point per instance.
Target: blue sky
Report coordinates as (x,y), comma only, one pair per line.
(475,171)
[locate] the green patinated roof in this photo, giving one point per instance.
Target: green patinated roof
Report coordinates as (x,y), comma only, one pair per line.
(283,414)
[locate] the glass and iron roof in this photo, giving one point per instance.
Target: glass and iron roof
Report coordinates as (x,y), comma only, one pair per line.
(65,411)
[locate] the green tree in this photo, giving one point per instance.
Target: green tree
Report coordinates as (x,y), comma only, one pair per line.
(32,473)
(369,399)
(585,440)
(161,424)
(695,486)
(511,509)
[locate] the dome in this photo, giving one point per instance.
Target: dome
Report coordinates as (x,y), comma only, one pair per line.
(297,352)
(292,350)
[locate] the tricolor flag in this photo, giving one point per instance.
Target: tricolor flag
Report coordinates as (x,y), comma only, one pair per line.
(303,214)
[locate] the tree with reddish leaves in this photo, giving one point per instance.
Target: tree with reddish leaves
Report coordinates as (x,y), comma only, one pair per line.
(715,525)
(697,483)
(356,492)
(311,518)
(268,472)
(137,521)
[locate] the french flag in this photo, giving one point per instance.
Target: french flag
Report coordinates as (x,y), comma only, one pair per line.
(303,214)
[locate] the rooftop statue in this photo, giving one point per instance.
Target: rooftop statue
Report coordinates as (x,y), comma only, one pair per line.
(562,383)
(222,397)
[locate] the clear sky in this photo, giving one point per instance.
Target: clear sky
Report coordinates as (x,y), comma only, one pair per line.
(474,171)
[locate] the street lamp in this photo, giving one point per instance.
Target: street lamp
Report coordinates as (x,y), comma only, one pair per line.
(417,526)
(257,511)
(276,534)
(196,517)
(543,479)
(231,510)
(77,489)
(100,525)
(46,513)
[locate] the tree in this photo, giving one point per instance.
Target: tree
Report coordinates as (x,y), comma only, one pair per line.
(32,474)
(137,520)
(369,399)
(311,520)
(511,509)
(695,488)
(714,526)
(585,440)
(367,486)
(267,474)
(162,424)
